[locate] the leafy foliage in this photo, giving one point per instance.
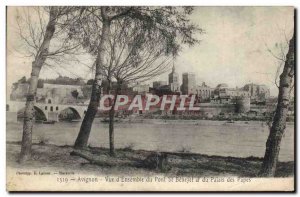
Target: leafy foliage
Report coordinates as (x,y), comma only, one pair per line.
(142,39)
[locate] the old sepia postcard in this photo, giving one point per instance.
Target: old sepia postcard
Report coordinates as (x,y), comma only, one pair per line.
(150,98)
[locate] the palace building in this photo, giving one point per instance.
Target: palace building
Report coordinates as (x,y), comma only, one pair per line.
(188,83)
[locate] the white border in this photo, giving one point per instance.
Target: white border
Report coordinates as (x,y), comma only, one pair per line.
(153,2)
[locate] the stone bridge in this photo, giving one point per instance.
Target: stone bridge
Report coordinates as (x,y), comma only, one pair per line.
(49,111)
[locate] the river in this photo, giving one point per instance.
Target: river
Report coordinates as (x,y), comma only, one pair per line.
(207,137)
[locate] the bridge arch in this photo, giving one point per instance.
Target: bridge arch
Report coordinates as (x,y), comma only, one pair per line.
(69,113)
(39,113)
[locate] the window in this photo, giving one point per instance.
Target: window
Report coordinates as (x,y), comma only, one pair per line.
(7,107)
(56,108)
(49,101)
(45,107)
(51,108)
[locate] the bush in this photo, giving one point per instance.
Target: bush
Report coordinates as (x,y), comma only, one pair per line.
(128,147)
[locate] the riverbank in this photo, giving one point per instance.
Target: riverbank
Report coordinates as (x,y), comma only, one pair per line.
(221,117)
(188,118)
(138,162)
(186,121)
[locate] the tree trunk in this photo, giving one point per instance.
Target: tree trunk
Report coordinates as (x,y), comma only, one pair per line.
(279,121)
(37,64)
(111,130)
(86,125)
(111,121)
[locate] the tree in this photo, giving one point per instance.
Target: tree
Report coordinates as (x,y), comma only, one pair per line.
(36,35)
(86,91)
(22,80)
(279,120)
(132,58)
(90,82)
(98,50)
(169,25)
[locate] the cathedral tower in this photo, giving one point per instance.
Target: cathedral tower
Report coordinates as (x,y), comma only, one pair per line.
(174,80)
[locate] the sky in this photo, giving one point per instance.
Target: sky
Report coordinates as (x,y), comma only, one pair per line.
(233,50)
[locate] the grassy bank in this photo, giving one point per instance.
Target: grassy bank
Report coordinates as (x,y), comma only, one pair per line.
(139,162)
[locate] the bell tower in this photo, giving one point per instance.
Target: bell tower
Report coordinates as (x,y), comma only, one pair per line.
(174,80)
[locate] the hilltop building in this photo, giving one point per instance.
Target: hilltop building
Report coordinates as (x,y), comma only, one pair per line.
(58,93)
(141,88)
(188,83)
(157,84)
(258,93)
(204,92)
(223,94)
(19,91)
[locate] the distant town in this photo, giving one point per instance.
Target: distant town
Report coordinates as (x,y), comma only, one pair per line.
(215,103)
(68,90)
